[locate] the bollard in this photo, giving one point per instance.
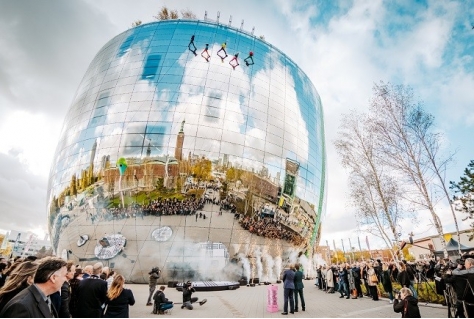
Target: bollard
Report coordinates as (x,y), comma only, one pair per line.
(272,298)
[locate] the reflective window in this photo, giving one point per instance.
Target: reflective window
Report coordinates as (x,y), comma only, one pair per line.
(172,140)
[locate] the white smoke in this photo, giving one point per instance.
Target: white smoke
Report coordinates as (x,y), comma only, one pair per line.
(246,265)
(278,266)
(258,262)
(269,264)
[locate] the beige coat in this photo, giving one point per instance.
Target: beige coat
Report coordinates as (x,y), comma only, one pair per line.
(330,278)
(371,271)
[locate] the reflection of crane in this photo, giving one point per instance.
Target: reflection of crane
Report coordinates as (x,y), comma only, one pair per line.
(28,244)
(17,241)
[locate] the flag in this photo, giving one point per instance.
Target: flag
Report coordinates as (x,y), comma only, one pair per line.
(342,241)
(368,246)
(360,248)
(328,249)
(334,244)
(350,245)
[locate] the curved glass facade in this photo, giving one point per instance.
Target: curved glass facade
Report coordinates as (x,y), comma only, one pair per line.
(194,147)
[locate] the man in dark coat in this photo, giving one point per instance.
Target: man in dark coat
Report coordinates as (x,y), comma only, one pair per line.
(92,294)
(153,281)
(288,288)
(34,302)
(299,288)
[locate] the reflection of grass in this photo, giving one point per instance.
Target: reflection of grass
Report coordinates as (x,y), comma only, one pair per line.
(146,197)
(426,291)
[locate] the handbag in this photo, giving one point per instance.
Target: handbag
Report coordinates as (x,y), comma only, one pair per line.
(354,293)
(373,278)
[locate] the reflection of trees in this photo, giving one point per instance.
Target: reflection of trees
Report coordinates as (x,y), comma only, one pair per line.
(73,186)
(233,174)
(160,184)
(202,169)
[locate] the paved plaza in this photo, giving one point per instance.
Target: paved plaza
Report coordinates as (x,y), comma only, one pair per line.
(250,302)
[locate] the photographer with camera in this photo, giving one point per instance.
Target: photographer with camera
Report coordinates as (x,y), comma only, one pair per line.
(406,304)
(153,281)
(455,278)
(188,290)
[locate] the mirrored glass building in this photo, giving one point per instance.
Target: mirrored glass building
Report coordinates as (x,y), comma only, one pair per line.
(194,147)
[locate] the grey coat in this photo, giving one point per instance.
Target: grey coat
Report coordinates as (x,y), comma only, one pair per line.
(29,303)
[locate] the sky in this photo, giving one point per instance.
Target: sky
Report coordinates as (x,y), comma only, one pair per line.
(343,46)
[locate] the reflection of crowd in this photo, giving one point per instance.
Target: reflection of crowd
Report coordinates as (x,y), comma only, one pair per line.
(173,206)
(269,228)
(156,207)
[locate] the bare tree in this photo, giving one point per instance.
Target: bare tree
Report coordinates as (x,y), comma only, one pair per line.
(136,23)
(165,14)
(188,14)
(374,192)
(420,123)
(392,112)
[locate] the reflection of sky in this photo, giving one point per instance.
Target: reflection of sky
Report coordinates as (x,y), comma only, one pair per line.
(149,80)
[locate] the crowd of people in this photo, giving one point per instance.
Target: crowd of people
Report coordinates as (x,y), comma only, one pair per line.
(54,288)
(268,227)
(362,279)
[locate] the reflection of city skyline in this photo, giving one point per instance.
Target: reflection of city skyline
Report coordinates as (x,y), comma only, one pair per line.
(198,139)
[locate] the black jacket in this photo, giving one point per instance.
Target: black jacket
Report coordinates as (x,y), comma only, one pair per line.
(65,298)
(187,294)
(410,303)
(29,303)
(5,298)
(386,281)
(91,293)
(118,307)
(403,279)
(160,298)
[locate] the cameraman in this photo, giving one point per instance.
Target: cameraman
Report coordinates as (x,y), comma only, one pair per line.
(458,283)
(188,290)
(469,264)
(406,304)
(153,281)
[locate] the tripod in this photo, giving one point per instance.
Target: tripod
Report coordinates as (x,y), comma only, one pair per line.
(420,279)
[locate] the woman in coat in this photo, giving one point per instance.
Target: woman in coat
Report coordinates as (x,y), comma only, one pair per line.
(73,297)
(118,299)
(372,282)
(19,279)
(402,276)
(387,281)
(407,304)
(66,291)
(330,280)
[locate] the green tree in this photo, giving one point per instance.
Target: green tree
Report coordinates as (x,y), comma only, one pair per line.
(160,183)
(463,199)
